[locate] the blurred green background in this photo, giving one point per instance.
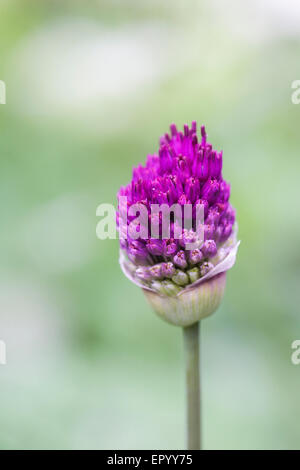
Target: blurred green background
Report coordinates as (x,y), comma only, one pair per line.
(90,88)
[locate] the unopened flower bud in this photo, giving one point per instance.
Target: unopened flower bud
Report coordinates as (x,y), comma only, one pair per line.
(168,269)
(180,278)
(155,247)
(170,247)
(209,248)
(155,271)
(193,274)
(226,232)
(188,237)
(170,288)
(205,268)
(209,230)
(195,256)
(213,216)
(180,260)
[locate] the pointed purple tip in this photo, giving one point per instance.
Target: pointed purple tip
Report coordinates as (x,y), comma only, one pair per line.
(173,129)
(203,134)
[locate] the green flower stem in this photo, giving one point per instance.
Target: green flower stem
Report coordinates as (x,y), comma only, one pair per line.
(192,371)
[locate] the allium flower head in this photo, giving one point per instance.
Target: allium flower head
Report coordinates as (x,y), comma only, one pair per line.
(186,172)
